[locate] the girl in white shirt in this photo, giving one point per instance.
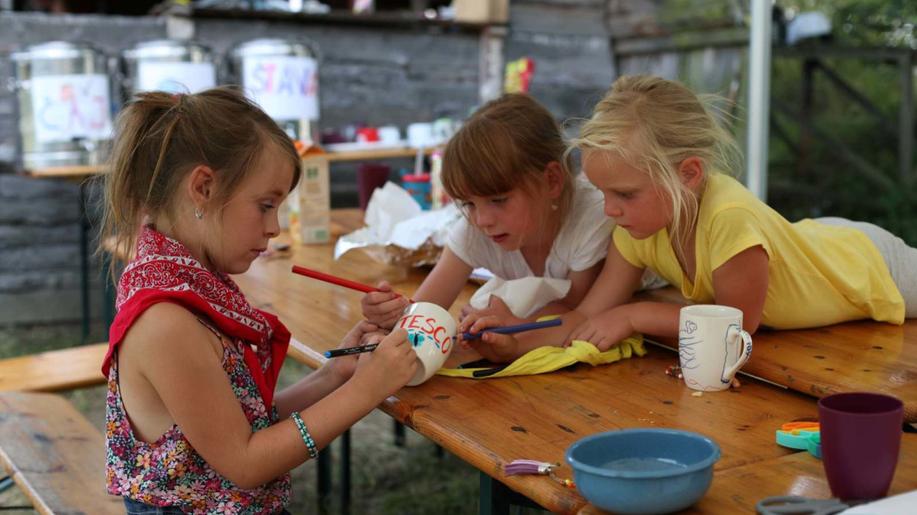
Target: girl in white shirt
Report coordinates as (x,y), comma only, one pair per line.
(525,213)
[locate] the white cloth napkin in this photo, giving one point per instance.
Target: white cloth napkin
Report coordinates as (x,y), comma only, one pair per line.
(523,296)
(393,217)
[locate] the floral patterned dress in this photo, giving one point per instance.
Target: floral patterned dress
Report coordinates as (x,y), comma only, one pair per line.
(169,472)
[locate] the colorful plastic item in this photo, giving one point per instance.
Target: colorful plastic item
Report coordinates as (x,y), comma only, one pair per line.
(804,436)
(419,187)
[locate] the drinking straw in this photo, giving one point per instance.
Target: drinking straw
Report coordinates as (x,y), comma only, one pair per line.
(418,161)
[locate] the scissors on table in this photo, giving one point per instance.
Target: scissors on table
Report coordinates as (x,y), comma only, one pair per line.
(797,505)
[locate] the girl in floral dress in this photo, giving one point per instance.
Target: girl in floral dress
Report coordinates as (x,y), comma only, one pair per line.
(193,422)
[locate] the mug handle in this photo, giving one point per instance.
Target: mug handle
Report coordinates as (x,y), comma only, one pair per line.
(743,339)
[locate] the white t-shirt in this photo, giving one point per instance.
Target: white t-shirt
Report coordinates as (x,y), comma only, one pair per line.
(581,243)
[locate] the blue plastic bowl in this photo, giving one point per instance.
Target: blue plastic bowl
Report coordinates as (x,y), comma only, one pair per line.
(637,471)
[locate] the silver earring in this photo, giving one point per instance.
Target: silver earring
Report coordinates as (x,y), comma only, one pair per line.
(198,213)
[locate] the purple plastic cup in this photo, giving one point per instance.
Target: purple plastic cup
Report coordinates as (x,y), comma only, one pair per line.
(860,441)
(369,177)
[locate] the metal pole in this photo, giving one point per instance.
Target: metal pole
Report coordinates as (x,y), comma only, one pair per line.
(490,63)
(906,119)
(759,52)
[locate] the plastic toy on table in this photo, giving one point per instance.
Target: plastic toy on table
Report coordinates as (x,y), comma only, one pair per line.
(805,436)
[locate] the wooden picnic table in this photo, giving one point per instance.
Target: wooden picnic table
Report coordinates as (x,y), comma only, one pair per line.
(490,422)
(862,355)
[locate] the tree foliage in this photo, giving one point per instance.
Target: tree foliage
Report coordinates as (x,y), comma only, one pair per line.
(812,172)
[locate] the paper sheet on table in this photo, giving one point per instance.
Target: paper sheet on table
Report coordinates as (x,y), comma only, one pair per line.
(397,231)
(522,296)
(901,504)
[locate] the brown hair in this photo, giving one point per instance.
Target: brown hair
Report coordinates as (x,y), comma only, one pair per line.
(161,137)
(507,143)
(654,124)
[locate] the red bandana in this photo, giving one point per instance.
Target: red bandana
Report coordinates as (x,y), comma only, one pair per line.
(164,271)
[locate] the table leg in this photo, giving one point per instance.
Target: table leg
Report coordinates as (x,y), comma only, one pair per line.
(324,479)
(5,483)
(496,499)
(108,293)
(399,434)
(84,262)
(345,473)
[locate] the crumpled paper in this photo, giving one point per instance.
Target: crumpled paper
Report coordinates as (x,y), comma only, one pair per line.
(397,231)
(522,296)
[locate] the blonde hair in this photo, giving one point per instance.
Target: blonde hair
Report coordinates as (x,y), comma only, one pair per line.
(654,124)
(161,137)
(505,144)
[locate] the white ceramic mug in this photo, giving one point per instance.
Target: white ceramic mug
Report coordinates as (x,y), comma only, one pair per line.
(431,331)
(712,346)
(420,135)
(389,134)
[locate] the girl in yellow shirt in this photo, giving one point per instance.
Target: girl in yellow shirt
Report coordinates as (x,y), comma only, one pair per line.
(654,151)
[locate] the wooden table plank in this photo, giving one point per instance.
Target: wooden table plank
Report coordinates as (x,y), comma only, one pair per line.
(854,356)
(51,371)
(490,422)
(54,455)
(738,490)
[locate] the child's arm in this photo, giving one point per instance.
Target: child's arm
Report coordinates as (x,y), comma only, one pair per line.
(580,283)
(330,376)
(442,286)
(173,355)
(614,286)
(740,282)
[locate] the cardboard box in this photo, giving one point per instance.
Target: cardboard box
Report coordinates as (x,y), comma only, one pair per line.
(314,197)
(481,11)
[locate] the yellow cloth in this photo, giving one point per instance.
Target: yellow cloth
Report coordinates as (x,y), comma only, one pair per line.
(549,359)
(818,274)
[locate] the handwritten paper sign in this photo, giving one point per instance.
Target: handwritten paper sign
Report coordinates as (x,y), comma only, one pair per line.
(68,107)
(285,87)
(175,77)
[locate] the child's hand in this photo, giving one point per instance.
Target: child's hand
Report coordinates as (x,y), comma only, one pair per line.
(496,307)
(605,329)
(384,307)
(385,370)
(363,333)
(499,348)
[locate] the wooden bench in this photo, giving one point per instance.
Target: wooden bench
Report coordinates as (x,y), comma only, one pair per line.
(853,356)
(65,369)
(54,455)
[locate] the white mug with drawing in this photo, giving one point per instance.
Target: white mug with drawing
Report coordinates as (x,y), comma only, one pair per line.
(712,346)
(431,331)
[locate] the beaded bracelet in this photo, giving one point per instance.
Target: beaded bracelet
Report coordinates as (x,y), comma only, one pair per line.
(304,433)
